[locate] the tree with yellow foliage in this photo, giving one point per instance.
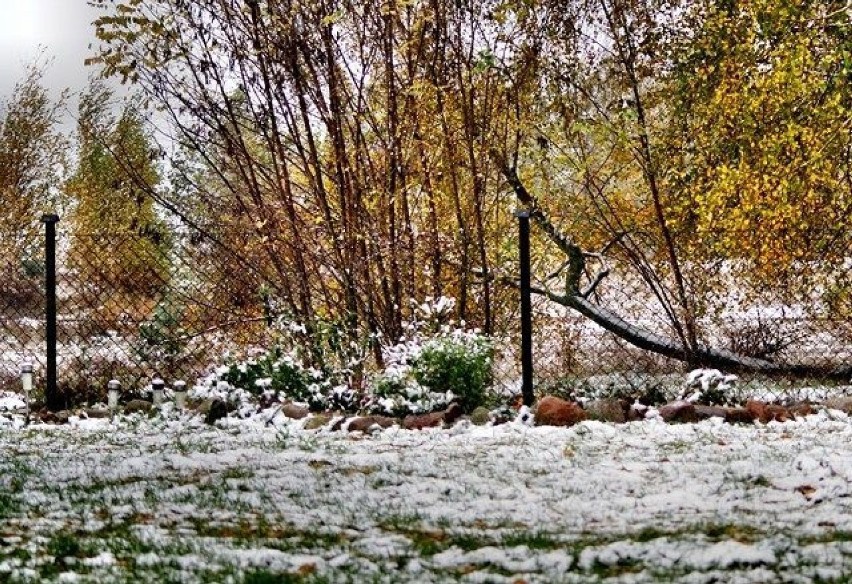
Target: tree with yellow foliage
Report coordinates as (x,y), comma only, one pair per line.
(117,239)
(32,163)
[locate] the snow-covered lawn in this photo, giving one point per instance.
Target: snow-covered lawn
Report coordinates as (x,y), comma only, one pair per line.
(151,500)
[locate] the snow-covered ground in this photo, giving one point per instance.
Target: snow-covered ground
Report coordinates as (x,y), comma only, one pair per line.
(174,500)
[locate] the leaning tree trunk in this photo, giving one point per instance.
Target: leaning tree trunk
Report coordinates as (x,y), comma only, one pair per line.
(577,298)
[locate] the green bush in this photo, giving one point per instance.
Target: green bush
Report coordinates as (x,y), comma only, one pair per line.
(395,392)
(460,364)
(275,372)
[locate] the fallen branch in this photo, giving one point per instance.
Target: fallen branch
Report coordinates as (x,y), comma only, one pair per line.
(577,299)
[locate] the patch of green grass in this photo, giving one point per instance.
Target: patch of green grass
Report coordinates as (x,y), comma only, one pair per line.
(844,578)
(623,567)
(760,481)
(64,545)
(430,541)
(722,531)
(9,505)
(535,540)
(238,473)
(677,446)
(13,478)
(830,536)
(302,541)
(400,521)
(649,533)
(713,531)
(269,577)
(251,532)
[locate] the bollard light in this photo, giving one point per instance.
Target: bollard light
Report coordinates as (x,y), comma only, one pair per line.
(158,386)
(27,384)
(27,377)
(180,394)
(113,388)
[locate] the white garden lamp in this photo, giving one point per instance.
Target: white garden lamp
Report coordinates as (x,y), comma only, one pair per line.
(27,384)
(180,394)
(113,388)
(158,386)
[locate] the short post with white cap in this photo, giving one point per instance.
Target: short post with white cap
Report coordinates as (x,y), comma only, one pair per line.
(180,394)
(27,384)
(113,389)
(158,387)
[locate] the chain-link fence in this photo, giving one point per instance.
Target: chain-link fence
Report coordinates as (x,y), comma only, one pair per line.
(129,306)
(803,336)
(22,307)
(132,306)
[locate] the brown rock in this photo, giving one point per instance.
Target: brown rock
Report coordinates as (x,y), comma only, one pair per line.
(608,410)
(739,416)
(636,412)
(294,412)
(421,421)
(201,406)
(679,411)
(768,412)
(137,405)
(553,411)
(365,423)
(434,419)
(62,416)
(452,413)
(704,412)
(480,416)
(93,413)
(218,410)
(801,409)
(45,416)
(316,422)
(844,404)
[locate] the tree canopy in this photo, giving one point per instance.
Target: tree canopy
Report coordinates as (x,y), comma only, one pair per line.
(362,156)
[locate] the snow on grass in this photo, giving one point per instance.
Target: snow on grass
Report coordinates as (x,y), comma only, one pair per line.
(153,499)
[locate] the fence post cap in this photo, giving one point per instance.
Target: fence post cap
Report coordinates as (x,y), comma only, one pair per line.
(26,367)
(50,218)
(522,213)
(113,384)
(157,383)
(180,385)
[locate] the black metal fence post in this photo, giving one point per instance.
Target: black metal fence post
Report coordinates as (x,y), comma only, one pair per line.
(53,400)
(526,309)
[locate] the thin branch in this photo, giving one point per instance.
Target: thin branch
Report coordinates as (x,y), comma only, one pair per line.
(589,290)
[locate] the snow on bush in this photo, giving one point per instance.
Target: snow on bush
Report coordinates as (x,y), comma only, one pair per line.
(274,376)
(431,366)
(710,386)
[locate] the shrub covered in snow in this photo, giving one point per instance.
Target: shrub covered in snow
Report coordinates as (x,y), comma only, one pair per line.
(458,362)
(277,374)
(433,365)
(712,387)
(395,392)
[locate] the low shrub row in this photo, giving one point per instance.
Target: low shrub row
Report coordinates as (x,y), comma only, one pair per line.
(425,371)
